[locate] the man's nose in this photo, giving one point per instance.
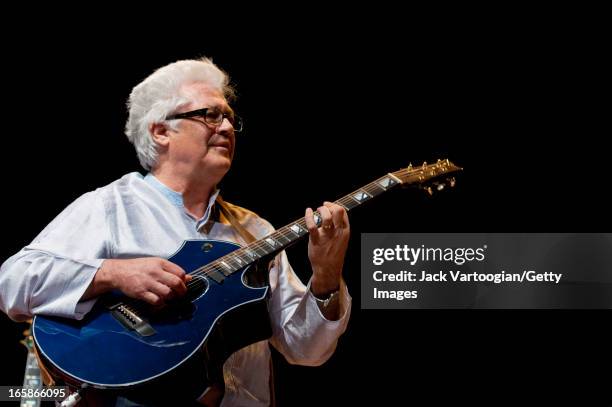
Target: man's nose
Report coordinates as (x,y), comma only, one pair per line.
(226,126)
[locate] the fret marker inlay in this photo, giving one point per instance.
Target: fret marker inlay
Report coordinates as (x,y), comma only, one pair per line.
(361,196)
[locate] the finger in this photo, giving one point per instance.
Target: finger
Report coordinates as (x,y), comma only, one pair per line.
(327,222)
(173,282)
(161,290)
(151,298)
(311,225)
(337,212)
(173,268)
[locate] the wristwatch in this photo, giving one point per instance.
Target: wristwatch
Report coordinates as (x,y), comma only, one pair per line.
(324,303)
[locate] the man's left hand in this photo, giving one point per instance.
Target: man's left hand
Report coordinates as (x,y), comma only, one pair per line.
(327,247)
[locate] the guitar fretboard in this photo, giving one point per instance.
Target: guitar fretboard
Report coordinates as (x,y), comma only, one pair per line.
(289,234)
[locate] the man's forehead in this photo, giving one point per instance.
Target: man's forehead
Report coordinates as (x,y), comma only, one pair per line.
(201,93)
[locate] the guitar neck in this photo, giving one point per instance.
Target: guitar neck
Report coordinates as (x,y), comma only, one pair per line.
(437,174)
(294,231)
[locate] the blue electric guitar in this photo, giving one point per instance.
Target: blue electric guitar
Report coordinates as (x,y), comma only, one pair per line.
(176,353)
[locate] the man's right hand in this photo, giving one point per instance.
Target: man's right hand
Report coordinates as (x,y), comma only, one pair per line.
(151,279)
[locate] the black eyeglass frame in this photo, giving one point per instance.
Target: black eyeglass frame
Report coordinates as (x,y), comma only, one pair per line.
(235,120)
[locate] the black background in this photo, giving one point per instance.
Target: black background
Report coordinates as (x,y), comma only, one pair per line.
(519,104)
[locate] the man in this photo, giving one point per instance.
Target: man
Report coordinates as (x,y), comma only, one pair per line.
(118,236)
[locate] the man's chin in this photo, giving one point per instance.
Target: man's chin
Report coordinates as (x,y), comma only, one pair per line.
(220,165)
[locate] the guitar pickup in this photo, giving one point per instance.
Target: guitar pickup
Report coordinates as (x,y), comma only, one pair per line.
(130,319)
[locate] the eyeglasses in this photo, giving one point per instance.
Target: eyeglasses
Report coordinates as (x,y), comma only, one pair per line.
(211,116)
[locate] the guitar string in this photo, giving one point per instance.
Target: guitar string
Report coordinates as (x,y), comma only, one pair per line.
(282,232)
(208,269)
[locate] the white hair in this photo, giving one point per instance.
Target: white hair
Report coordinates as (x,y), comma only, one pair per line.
(159,95)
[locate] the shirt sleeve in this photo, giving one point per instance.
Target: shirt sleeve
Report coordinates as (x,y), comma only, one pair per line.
(50,275)
(300,331)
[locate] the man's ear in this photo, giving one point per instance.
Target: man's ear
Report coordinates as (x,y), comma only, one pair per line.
(160,134)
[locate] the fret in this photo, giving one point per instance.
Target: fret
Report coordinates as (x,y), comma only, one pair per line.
(386,182)
(226,269)
(271,242)
(252,254)
(302,223)
(360,196)
(242,255)
(236,259)
(235,262)
(260,249)
(339,202)
(357,202)
(375,188)
(282,235)
(348,203)
(297,229)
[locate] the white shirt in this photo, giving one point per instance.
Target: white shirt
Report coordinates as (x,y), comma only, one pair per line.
(138,216)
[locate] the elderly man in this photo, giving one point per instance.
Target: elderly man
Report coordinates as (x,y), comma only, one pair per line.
(118,237)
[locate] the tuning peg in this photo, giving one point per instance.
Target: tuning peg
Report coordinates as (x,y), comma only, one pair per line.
(409,167)
(452,182)
(428,190)
(440,186)
(424,164)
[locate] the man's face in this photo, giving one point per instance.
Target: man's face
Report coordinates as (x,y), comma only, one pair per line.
(198,146)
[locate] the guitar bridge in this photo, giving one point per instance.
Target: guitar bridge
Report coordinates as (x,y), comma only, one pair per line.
(129,318)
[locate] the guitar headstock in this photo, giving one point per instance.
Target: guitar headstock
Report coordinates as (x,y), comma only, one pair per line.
(430,177)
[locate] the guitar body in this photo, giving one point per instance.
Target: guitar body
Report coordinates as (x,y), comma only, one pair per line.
(177,352)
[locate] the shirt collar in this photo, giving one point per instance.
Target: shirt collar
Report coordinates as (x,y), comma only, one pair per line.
(176,198)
